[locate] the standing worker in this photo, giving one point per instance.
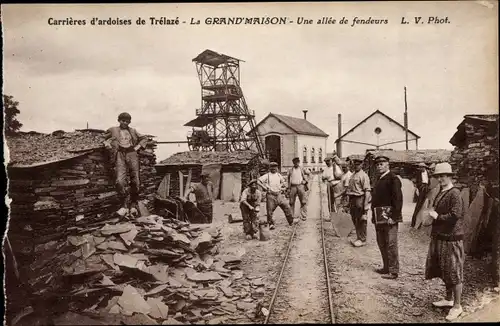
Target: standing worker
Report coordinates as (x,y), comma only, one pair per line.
(332,175)
(387,204)
(344,180)
(275,184)
(358,192)
(203,192)
(124,143)
(250,206)
(423,189)
(297,184)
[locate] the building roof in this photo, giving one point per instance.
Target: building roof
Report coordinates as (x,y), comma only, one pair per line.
(298,125)
(483,119)
(212,58)
(30,149)
(201,158)
(371,115)
(414,156)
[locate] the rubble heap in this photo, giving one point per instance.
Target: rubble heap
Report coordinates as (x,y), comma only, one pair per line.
(159,268)
(62,180)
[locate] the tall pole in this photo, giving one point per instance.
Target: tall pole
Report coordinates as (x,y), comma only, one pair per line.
(406,122)
(339,129)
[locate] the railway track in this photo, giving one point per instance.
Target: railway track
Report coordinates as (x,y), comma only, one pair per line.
(277,295)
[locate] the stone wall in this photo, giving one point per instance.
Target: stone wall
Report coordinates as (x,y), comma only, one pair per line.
(476,160)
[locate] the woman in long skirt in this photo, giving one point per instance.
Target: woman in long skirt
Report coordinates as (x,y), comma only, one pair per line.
(446,251)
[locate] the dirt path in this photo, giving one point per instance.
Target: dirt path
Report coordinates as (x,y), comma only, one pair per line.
(303,295)
(362,296)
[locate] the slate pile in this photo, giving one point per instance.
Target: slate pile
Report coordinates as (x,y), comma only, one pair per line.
(162,269)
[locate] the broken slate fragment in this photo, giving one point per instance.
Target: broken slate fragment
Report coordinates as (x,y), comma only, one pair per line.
(116,229)
(228,292)
(204,277)
(129,236)
(246,305)
(88,249)
(77,241)
(159,310)
(179,237)
(157,289)
(172,321)
(237,274)
(257,282)
(115,245)
(131,301)
(125,260)
(159,272)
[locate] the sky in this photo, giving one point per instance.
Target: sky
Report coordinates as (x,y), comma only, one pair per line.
(67,76)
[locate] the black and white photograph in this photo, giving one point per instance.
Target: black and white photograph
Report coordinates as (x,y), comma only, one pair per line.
(251,163)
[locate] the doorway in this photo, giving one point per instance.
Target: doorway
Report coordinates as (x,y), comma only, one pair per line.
(273,149)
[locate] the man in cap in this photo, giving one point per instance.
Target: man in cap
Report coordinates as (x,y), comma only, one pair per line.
(203,192)
(358,192)
(297,183)
(344,181)
(332,176)
(387,204)
(275,184)
(124,143)
(422,182)
(250,206)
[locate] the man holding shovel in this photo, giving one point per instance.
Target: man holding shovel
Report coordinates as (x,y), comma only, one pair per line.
(203,192)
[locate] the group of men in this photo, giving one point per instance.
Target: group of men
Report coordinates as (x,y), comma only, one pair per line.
(349,190)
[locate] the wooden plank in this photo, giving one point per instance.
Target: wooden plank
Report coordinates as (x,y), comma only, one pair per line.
(188,182)
(472,217)
(167,186)
(162,188)
(181,183)
(231,186)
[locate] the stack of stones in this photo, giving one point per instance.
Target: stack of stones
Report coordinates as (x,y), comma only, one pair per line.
(477,161)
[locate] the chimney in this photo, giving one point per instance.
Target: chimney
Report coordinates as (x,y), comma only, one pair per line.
(305,114)
(339,142)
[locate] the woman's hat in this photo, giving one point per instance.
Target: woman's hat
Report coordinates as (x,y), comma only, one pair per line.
(443,169)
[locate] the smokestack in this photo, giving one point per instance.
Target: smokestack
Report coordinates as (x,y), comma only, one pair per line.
(305,114)
(339,144)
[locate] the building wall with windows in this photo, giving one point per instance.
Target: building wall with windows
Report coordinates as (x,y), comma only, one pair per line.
(312,151)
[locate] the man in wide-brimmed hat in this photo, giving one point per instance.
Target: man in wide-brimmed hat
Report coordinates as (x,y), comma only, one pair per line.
(203,192)
(358,192)
(274,184)
(387,204)
(250,206)
(422,183)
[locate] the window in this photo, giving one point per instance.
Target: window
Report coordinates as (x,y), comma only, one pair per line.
(320,155)
(304,154)
(312,155)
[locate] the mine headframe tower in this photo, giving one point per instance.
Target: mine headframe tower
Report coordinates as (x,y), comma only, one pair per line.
(224,120)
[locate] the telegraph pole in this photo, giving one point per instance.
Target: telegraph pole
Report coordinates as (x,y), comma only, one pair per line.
(406,122)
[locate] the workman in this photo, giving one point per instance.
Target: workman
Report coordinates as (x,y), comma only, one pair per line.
(203,193)
(344,184)
(274,184)
(387,204)
(124,143)
(250,206)
(358,192)
(298,186)
(332,175)
(422,183)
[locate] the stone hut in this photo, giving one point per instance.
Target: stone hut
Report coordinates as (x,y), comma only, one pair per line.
(475,160)
(229,171)
(60,182)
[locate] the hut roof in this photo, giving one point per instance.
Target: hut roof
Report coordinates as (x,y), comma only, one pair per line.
(29,149)
(414,156)
(490,120)
(200,158)
(300,126)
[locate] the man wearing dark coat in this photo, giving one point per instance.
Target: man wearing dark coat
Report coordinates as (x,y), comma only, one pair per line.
(387,204)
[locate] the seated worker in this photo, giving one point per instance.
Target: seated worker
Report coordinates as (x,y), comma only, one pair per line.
(250,206)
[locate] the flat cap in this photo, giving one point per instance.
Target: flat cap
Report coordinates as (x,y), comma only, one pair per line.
(356,160)
(327,159)
(205,174)
(296,159)
(273,164)
(381,158)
